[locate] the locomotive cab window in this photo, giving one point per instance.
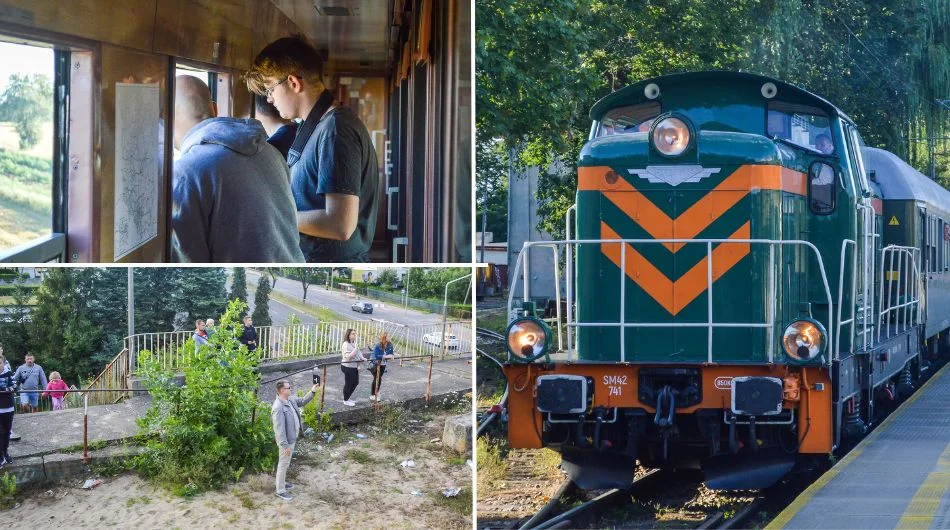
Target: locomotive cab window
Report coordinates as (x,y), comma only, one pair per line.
(801,125)
(821,188)
(626,120)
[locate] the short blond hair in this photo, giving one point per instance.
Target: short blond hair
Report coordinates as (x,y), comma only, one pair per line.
(54,376)
(284,57)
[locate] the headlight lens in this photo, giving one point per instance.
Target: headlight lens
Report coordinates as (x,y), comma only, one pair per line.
(671,136)
(528,338)
(803,340)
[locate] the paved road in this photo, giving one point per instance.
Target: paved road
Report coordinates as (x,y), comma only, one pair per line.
(340,303)
(279,313)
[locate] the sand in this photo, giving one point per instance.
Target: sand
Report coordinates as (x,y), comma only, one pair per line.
(333,490)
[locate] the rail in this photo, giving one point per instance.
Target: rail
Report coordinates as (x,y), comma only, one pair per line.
(907,266)
(522,267)
(107,386)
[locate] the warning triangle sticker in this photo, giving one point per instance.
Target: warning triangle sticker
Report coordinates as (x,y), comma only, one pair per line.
(893,221)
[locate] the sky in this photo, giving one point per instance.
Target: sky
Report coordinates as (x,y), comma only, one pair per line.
(20,59)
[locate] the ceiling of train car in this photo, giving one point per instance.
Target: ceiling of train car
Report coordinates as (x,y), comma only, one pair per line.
(355,33)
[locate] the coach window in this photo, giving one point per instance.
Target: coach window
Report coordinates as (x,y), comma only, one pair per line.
(32,211)
(626,120)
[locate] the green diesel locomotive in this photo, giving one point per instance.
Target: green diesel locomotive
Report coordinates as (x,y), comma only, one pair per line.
(746,283)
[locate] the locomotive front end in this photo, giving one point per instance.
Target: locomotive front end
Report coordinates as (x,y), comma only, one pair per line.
(697,294)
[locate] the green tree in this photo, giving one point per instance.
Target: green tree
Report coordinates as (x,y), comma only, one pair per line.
(261,315)
(28,103)
(15,333)
(387,278)
(213,429)
(62,337)
(105,293)
(238,285)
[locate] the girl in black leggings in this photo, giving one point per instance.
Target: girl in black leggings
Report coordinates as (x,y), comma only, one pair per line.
(6,411)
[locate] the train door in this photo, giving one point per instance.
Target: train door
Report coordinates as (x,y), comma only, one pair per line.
(865,241)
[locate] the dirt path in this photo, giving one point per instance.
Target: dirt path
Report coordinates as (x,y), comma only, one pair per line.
(353,483)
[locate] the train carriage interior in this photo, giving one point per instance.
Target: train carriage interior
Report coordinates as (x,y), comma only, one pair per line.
(404,66)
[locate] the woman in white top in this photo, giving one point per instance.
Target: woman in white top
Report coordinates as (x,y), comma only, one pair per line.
(351,374)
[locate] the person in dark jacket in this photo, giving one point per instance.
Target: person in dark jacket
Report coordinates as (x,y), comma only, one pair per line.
(231,198)
(6,410)
(382,352)
(249,335)
(280,132)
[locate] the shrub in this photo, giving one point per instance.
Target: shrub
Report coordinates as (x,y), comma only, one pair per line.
(7,490)
(204,435)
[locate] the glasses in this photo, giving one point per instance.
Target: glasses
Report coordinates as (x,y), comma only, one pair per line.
(269,90)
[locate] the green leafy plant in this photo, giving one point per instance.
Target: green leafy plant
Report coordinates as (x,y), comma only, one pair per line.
(213,428)
(7,490)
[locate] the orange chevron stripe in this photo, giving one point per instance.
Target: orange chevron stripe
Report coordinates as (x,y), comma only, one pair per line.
(702,213)
(674,296)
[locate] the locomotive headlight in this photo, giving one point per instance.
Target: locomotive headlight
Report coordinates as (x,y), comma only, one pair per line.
(528,339)
(803,340)
(671,136)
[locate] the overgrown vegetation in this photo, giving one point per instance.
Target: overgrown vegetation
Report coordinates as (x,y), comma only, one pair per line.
(7,490)
(212,430)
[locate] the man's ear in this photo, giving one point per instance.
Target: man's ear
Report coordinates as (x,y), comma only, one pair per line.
(295,84)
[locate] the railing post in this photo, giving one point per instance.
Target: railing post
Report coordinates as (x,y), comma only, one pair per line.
(429,379)
(85,428)
(323,387)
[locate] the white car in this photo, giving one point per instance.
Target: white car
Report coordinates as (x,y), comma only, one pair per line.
(451,341)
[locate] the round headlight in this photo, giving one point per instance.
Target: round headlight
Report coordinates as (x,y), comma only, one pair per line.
(803,340)
(671,136)
(528,339)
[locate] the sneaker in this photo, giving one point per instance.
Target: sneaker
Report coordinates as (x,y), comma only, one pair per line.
(374,398)
(286,496)
(288,485)
(349,403)
(14,437)
(7,458)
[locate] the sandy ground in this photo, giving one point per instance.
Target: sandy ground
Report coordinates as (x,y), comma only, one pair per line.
(336,488)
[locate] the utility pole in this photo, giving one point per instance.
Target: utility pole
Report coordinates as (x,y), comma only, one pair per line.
(131,312)
(445,307)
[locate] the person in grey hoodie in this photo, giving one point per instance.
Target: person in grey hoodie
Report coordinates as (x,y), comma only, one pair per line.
(287,420)
(231,192)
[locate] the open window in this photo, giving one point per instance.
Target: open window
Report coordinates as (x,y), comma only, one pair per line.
(822,188)
(800,125)
(626,120)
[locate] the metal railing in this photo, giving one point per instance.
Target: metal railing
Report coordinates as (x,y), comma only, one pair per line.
(908,272)
(108,387)
(771,302)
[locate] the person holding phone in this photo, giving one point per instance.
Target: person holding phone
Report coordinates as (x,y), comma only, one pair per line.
(287,421)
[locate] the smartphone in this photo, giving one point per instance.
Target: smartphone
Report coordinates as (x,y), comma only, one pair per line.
(316,379)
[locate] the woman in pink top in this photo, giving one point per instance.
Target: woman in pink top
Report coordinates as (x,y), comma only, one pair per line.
(56,383)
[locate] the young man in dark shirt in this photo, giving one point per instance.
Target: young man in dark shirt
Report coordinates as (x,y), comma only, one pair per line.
(333,169)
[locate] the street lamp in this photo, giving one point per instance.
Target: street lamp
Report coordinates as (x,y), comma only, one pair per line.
(445,307)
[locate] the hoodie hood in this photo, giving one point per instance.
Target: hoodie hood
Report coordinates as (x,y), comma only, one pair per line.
(243,136)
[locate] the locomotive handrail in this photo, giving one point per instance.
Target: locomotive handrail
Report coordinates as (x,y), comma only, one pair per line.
(522,265)
(569,275)
(906,256)
(844,246)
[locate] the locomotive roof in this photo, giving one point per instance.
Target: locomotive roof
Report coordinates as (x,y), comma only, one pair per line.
(899,181)
(634,92)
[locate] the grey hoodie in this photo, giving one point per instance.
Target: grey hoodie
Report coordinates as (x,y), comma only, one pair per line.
(286,418)
(232,199)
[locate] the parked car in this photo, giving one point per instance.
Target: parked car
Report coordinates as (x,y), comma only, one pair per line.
(451,341)
(362,307)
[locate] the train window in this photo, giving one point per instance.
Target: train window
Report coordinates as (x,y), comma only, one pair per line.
(27,140)
(801,125)
(856,146)
(821,188)
(630,119)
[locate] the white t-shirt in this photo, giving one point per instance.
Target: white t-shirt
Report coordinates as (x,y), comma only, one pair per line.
(351,353)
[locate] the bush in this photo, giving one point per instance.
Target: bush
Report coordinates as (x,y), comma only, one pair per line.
(7,490)
(204,435)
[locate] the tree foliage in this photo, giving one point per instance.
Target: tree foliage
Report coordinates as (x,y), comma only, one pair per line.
(261,315)
(541,65)
(213,429)
(238,285)
(28,103)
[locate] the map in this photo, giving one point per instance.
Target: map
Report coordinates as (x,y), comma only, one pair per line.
(138,154)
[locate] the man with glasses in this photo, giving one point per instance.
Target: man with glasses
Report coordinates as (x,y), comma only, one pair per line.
(287,420)
(333,170)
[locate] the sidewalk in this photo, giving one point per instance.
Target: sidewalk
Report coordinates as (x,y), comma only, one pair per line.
(45,433)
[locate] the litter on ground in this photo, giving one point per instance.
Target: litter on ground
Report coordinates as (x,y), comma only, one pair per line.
(451,492)
(91,483)
(408,463)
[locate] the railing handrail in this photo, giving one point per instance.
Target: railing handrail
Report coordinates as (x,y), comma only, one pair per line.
(521,265)
(908,258)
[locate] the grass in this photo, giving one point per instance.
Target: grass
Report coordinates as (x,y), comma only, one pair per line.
(93,446)
(245,499)
(461,503)
(320,313)
(359,456)
(492,464)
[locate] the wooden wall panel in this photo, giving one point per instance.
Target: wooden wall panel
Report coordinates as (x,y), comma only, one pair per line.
(190,29)
(271,24)
(126,66)
(121,22)
(241,99)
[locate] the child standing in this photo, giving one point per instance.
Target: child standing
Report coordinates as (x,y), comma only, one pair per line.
(56,383)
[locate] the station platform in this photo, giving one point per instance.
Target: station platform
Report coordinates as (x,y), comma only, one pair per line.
(897,477)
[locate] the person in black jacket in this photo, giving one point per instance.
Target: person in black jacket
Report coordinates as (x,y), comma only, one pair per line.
(6,410)
(249,335)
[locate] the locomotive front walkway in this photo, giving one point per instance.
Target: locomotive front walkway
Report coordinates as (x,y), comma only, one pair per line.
(58,436)
(897,477)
